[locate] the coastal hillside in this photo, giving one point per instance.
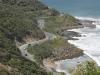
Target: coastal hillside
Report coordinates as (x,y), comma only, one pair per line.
(18,22)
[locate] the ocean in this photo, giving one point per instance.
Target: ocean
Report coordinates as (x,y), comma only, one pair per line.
(83,8)
(90,40)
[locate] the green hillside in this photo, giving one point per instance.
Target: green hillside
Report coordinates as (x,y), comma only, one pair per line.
(18,19)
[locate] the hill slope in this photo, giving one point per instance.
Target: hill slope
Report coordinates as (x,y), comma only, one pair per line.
(18,20)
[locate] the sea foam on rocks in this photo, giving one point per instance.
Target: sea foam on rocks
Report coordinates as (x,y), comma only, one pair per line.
(91,42)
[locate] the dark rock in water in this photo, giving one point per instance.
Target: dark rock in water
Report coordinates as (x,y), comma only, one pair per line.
(70,38)
(70,34)
(87,23)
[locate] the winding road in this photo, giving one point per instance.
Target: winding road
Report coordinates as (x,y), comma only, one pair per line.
(23,48)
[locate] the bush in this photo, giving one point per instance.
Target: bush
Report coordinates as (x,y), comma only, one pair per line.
(88,68)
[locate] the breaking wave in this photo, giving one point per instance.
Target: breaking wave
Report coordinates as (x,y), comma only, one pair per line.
(91,42)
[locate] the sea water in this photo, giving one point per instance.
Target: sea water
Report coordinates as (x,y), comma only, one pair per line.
(90,43)
(83,8)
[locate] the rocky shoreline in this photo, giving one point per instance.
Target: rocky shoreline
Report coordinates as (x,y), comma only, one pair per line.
(50,63)
(87,23)
(70,34)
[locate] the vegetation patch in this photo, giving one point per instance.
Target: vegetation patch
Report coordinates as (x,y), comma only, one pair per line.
(87,68)
(56,49)
(57,23)
(18,19)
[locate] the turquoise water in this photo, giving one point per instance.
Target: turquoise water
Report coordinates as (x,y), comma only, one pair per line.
(83,8)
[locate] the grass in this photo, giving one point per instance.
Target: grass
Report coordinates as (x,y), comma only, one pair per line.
(56,23)
(58,48)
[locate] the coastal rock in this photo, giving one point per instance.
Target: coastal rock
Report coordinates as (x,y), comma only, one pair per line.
(87,23)
(70,34)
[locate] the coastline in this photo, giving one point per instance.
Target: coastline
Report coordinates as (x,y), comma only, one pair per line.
(35,38)
(91,52)
(85,23)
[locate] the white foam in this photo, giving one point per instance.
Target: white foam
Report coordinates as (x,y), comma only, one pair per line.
(91,42)
(88,18)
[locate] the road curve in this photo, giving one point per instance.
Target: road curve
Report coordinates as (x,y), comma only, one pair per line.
(23,48)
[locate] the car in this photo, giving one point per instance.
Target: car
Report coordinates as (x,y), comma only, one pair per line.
(29,44)
(25,54)
(24,48)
